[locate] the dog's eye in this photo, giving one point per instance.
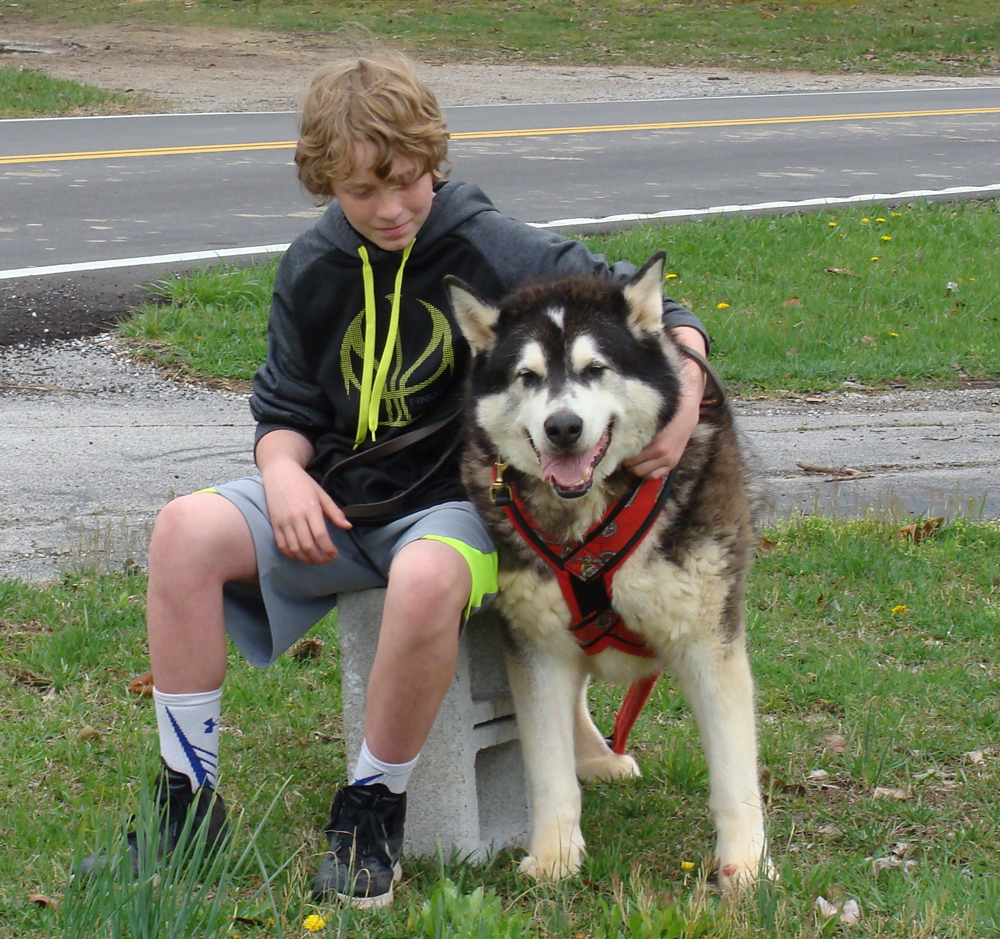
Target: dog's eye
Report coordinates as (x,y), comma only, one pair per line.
(594,370)
(529,378)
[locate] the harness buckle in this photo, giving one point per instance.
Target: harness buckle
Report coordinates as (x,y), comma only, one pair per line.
(499,490)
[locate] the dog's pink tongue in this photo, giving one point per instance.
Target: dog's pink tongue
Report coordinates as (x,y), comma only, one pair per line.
(570,470)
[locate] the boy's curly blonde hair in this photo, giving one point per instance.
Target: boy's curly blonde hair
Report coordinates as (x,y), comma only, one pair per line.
(377,100)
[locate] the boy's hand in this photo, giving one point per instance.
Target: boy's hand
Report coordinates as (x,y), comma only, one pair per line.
(665,450)
(299,508)
(297,504)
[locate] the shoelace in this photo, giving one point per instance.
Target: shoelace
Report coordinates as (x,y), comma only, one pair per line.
(370,838)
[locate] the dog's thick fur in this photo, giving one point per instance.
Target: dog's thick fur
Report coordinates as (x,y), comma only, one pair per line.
(598,355)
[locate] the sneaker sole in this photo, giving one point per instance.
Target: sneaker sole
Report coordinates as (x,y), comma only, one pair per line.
(381,902)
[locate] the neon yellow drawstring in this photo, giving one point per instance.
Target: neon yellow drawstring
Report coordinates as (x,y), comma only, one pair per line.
(371,394)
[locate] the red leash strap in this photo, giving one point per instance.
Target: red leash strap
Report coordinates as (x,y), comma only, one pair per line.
(635,700)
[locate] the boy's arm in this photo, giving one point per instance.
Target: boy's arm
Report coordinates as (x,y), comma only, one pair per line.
(291,412)
(665,450)
(297,504)
(285,393)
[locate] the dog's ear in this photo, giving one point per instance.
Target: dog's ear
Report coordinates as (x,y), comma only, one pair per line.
(476,318)
(644,294)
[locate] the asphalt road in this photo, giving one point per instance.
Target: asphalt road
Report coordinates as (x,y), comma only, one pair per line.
(74,191)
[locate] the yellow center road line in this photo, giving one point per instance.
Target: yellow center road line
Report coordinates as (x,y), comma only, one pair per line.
(730,122)
(153,151)
(494,134)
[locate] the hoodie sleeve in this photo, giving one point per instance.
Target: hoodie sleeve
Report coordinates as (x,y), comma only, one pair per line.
(521,253)
(285,396)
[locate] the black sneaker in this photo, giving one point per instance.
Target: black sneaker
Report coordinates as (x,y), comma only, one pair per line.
(175,801)
(366,837)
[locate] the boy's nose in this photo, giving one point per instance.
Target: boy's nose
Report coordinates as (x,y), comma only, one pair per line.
(389,205)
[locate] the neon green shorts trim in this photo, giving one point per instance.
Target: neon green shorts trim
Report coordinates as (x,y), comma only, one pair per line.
(482,567)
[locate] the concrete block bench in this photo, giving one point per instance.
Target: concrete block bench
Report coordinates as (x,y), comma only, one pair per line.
(468,793)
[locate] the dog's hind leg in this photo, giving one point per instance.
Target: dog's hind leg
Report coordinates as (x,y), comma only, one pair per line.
(546,689)
(594,758)
(715,677)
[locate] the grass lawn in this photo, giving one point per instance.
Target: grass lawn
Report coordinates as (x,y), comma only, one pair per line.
(794,303)
(29,93)
(905,36)
(876,671)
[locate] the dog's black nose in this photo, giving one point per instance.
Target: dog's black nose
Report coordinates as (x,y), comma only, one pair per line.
(563,429)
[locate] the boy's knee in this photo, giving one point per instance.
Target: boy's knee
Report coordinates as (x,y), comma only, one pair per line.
(194,527)
(433,575)
(179,522)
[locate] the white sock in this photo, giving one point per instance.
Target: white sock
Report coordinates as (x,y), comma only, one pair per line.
(189,733)
(370,769)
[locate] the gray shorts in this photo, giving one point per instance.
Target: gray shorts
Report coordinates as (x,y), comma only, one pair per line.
(265,619)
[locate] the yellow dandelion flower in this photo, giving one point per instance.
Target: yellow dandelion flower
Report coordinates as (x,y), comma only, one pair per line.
(880,220)
(671,276)
(314,923)
(875,258)
(896,214)
(866,220)
(687,865)
(832,224)
(900,608)
(722,306)
(894,335)
(887,237)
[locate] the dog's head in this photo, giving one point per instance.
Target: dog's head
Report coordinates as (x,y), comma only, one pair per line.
(570,378)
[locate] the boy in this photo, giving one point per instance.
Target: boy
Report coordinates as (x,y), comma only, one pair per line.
(356,407)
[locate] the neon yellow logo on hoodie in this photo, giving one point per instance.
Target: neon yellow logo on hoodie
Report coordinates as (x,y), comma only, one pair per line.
(394,411)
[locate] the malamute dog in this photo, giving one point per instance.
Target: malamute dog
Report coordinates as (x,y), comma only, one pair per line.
(601,576)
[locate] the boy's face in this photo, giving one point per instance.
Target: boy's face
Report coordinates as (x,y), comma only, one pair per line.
(388,212)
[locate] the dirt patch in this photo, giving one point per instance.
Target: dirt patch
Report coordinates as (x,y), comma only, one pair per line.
(190,69)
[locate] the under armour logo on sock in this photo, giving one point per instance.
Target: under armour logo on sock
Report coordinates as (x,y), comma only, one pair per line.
(203,762)
(210,725)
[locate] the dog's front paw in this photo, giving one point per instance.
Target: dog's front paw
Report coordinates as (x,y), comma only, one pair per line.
(741,873)
(553,865)
(607,766)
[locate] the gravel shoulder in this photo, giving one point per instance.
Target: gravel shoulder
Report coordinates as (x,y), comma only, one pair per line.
(95,444)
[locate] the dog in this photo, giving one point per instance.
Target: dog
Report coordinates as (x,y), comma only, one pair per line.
(568,380)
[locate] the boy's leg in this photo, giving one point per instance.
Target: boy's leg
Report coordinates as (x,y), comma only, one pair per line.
(429,584)
(199,543)
(428,591)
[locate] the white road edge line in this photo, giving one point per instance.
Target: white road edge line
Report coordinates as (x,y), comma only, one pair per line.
(610,220)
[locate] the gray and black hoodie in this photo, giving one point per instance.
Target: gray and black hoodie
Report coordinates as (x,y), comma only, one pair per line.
(313,379)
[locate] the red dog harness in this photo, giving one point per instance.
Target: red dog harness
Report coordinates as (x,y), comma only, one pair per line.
(585,569)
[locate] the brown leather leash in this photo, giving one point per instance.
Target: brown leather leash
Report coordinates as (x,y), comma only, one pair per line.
(365,511)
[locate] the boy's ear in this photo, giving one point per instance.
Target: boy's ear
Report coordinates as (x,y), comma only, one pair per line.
(644,295)
(476,318)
